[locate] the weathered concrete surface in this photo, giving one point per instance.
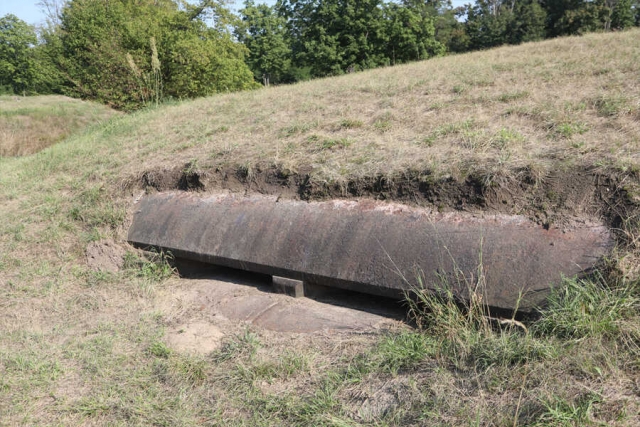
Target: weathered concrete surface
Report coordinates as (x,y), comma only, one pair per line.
(369,246)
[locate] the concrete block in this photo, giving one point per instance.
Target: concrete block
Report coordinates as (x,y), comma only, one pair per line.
(291,287)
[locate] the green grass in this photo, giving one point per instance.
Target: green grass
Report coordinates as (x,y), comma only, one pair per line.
(84,347)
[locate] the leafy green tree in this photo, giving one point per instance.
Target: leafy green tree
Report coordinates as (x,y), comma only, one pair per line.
(331,37)
(527,23)
(105,51)
(200,58)
(336,36)
(493,22)
(264,32)
(623,15)
(487,24)
(574,17)
(410,34)
(18,69)
(449,31)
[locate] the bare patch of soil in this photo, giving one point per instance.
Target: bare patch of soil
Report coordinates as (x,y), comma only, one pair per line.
(196,337)
(105,256)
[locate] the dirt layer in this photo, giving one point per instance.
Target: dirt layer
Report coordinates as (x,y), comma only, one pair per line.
(556,198)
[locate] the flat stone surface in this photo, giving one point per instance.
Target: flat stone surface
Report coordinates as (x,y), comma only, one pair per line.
(372,247)
(200,312)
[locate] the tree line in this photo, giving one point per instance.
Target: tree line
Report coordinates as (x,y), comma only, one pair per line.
(131,53)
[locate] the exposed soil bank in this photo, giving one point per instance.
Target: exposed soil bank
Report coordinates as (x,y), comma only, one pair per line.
(554,199)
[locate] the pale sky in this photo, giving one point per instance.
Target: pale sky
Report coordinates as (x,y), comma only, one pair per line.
(23,9)
(30,13)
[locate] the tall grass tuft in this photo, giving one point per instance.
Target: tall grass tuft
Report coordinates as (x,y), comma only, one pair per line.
(155,70)
(138,76)
(150,84)
(468,336)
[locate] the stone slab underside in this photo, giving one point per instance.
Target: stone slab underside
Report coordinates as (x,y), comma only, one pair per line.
(369,246)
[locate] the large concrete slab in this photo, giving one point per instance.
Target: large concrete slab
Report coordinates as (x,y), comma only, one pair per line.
(369,246)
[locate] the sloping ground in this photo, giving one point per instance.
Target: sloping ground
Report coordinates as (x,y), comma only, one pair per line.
(506,117)
(31,124)
(566,102)
(549,130)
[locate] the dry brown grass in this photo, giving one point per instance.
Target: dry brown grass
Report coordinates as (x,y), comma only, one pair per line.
(79,347)
(31,124)
(544,105)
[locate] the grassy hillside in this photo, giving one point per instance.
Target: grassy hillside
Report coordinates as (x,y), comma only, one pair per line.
(550,130)
(567,102)
(30,124)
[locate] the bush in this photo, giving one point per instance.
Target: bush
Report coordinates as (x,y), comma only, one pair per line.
(126,53)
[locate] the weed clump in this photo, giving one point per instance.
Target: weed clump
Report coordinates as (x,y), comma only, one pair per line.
(468,336)
(154,267)
(581,309)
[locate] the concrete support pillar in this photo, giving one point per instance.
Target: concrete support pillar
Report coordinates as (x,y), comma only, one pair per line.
(291,287)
